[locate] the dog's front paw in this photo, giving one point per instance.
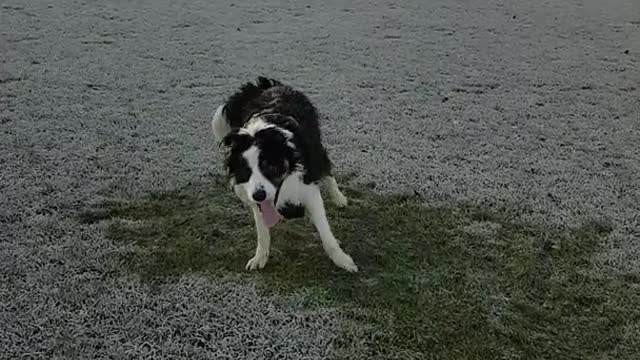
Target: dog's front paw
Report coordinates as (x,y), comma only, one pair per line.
(339,199)
(257,262)
(341,259)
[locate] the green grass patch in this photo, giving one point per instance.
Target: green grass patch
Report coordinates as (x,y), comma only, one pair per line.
(435,283)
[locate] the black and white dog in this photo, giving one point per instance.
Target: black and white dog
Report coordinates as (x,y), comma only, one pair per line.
(276,162)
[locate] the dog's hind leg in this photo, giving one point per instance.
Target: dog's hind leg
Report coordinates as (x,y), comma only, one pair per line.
(336,195)
(315,207)
(264,242)
(219,124)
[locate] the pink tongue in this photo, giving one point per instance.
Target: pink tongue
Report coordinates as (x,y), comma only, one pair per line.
(269,214)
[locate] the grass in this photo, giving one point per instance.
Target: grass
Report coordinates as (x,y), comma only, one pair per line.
(435,283)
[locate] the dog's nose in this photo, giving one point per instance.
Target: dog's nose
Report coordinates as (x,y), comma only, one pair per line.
(259,195)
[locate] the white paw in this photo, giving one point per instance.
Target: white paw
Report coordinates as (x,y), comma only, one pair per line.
(339,199)
(257,262)
(342,260)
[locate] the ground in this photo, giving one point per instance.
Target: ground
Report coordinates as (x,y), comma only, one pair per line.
(511,124)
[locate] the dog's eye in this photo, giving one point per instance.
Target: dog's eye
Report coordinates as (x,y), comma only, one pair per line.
(271,169)
(241,171)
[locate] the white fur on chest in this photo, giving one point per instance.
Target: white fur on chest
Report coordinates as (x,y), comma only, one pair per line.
(293,190)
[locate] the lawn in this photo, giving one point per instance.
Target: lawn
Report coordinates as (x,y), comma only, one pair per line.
(441,283)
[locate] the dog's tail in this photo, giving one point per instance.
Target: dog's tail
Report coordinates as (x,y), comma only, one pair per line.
(220,124)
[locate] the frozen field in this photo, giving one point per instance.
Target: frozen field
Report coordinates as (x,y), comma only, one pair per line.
(519,104)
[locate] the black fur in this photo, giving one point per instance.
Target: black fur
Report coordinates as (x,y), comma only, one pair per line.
(291,211)
(288,109)
(276,159)
(236,165)
(247,101)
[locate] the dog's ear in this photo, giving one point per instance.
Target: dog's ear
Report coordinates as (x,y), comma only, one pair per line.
(283,121)
(236,140)
(229,139)
(289,123)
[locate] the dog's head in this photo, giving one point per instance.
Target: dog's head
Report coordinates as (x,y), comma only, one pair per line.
(261,155)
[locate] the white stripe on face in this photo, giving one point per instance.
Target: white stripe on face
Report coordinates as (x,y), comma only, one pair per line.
(257,180)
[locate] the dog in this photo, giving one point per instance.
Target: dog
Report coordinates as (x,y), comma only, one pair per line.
(276,162)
